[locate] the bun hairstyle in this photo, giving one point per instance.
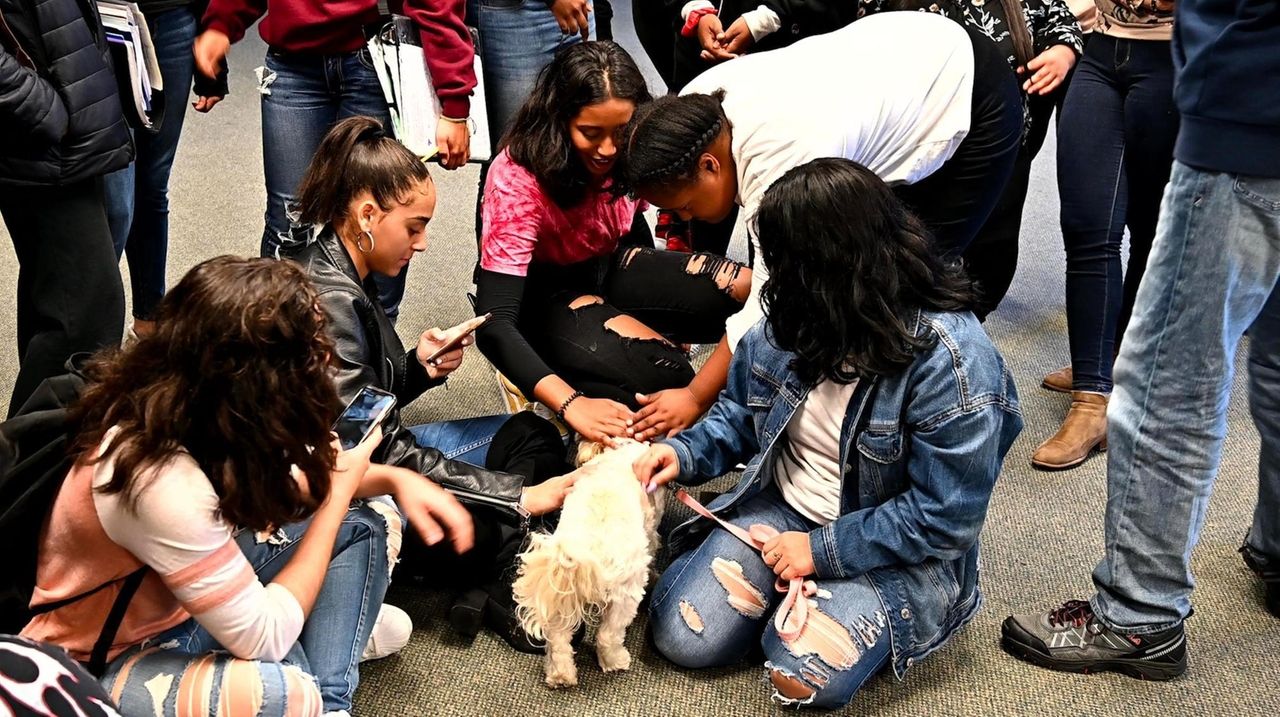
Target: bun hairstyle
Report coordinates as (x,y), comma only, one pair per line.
(849,266)
(582,74)
(662,143)
(356,156)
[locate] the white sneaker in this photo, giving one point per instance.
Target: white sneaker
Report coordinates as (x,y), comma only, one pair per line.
(391,632)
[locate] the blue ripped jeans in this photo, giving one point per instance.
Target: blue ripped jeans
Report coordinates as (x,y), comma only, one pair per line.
(326,656)
(694,625)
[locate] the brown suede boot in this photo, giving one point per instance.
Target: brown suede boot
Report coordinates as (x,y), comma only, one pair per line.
(1083,431)
(1059,380)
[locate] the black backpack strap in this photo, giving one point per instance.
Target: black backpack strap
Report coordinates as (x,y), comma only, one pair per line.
(98,658)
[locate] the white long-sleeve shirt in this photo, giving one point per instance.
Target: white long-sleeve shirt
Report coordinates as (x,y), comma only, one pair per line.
(891,91)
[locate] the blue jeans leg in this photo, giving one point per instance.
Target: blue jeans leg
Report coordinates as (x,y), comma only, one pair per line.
(1212,271)
(517,39)
(117,201)
(466,440)
(173,33)
(303,96)
(831,676)
(694,625)
(347,606)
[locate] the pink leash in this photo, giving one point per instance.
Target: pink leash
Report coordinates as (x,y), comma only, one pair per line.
(794,611)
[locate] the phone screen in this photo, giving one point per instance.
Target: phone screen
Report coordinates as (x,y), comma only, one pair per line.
(364,412)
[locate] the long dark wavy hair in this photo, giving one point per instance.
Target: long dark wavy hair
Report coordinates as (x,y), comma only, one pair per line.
(236,375)
(849,266)
(664,139)
(583,74)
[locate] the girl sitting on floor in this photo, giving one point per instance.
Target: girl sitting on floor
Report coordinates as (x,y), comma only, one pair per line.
(586,313)
(205,478)
(365,202)
(873,414)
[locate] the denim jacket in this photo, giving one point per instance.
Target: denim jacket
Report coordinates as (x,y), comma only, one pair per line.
(920,452)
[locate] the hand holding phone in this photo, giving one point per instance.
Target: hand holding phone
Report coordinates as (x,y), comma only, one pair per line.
(366,412)
(453,338)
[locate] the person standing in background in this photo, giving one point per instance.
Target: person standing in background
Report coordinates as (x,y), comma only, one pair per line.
(318,71)
(138,196)
(1213,274)
(1115,151)
(61,128)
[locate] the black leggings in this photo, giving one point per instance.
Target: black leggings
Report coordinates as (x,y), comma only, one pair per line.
(684,297)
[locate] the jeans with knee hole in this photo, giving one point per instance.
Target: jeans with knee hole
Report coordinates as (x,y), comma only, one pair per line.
(335,633)
(138,196)
(465,440)
(695,626)
(303,96)
(677,295)
(1212,276)
(1115,148)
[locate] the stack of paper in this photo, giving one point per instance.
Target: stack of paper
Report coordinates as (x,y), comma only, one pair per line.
(137,70)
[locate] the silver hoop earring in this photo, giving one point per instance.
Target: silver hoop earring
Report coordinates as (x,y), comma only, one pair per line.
(360,246)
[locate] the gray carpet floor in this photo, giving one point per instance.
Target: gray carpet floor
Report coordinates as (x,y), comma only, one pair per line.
(1042,538)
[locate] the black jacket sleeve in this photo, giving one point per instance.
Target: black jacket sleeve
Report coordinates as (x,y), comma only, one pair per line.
(351,338)
(806,18)
(500,339)
(29,106)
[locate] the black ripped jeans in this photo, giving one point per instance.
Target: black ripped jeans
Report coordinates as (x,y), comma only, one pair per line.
(684,297)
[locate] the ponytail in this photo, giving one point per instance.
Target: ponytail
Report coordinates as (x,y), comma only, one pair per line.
(356,156)
(665,138)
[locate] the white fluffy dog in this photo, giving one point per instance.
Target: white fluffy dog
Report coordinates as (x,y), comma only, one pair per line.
(596,564)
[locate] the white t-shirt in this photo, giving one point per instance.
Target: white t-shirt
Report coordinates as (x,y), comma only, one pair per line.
(808,467)
(892,91)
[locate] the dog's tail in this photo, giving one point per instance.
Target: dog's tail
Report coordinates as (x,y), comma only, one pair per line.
(555,590)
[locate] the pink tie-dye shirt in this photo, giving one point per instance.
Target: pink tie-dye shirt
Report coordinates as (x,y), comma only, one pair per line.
(523,225)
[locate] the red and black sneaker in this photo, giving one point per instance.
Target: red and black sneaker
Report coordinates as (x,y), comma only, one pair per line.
(1072,639)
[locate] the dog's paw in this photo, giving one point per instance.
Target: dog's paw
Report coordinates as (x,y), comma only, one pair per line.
(562,678)
(613,659)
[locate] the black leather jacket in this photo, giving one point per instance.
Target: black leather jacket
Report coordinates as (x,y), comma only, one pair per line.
(367,352)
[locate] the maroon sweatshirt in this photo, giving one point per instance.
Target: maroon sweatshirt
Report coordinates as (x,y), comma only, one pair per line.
(335,26)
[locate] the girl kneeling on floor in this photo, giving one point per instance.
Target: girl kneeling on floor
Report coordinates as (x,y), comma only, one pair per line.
(205,468)
(586,313)
(873,414)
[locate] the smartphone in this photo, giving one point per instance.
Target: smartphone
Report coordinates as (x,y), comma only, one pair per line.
(455,335)
(367,410)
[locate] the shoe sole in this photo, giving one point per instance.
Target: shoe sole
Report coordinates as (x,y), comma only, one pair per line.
(1056,389)
(1051,467)
(1137,669)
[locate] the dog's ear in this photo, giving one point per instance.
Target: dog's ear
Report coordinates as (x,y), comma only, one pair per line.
(588,450)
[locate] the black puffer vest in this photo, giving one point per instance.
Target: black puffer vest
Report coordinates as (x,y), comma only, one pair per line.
(60,114)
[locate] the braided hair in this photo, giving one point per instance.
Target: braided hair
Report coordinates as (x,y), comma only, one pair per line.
(662,143)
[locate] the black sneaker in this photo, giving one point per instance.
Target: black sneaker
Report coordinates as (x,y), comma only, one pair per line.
(1071,639)
(1267,569)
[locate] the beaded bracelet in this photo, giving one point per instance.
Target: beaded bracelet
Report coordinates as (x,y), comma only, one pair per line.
(565,406)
